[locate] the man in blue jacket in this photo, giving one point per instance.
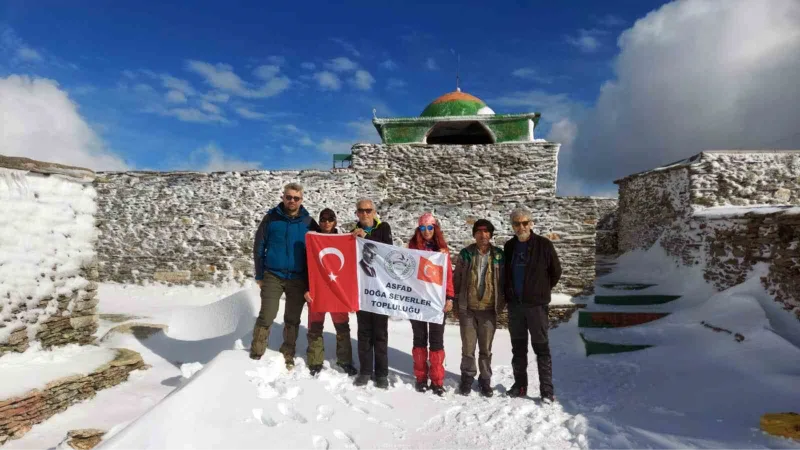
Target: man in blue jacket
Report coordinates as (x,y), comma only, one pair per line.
(279,253)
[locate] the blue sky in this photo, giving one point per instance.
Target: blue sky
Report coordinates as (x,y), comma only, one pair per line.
(284,85)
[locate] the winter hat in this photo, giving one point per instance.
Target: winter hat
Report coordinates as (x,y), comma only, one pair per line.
(426,219)
(483,223)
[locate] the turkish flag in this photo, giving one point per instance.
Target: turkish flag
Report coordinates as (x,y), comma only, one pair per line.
(430,272)
(332,277)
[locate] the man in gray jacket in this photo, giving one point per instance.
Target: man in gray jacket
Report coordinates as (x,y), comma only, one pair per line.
(478,281)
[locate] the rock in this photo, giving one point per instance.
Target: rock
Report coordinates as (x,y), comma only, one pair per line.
(85,438)
(783,195)
(782,424)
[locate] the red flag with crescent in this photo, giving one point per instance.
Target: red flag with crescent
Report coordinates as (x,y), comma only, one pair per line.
(430,272)
(332,277)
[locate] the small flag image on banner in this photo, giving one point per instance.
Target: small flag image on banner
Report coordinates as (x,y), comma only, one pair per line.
(430,272)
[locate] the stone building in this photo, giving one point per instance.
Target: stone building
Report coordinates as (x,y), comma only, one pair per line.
(458,159)
(727,210)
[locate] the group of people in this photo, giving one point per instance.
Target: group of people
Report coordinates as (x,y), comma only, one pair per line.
(487,279)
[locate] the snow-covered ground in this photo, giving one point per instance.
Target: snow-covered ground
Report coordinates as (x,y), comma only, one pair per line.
(695,388)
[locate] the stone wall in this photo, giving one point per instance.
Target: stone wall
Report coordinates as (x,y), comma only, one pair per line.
(47,258)
(648,205)
(186,227)
(720,178)
(734,243)
(19,414)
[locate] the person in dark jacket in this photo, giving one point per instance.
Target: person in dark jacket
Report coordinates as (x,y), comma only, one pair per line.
(373,329)
(428,236)
(279,253)
(316,320)
(532,271)
(479,279)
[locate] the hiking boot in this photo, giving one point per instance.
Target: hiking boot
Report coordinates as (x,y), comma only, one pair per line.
(348,368)
(260,341)
(289,363)
(421,386)
(465,387)
(486,388)
(362,380)
(438,390)
(382,383)
(313,370)
(517,390)
(548,397)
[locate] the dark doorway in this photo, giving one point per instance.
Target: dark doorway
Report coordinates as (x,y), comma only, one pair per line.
(459,133)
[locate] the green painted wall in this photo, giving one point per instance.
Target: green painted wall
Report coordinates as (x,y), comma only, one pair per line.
(516,130)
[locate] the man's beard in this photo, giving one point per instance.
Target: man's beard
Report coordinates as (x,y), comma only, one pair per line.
(524,235)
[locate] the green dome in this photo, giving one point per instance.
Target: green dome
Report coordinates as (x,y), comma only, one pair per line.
(456,103)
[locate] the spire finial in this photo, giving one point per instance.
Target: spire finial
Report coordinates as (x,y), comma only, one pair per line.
(458,69)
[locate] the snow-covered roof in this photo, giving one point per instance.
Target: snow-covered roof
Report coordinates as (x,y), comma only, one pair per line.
(719,212)
(697,158)
(48,168)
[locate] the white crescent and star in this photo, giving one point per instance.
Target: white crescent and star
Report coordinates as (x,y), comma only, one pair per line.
(337,253)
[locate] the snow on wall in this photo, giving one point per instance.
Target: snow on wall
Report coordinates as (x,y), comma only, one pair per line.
(736,178)
(649,205)
(196,227)
(735,244)
(47,239)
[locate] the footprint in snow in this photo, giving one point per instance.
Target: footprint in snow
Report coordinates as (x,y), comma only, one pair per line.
(320,443)
(348,440)
(288,411)
(292,392)
(399,432)
(373,401)
(258,413)
(324,413)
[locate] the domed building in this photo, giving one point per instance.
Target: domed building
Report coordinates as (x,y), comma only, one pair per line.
(458,118)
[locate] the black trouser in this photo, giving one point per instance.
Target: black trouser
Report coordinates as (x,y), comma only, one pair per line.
(533,320)
(373,336)
(426,330)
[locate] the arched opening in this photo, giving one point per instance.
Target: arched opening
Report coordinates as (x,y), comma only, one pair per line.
(459,133)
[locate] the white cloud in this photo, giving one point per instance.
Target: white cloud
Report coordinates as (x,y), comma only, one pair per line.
(308,66)
(587,40)
(553,107)
(213,159)
(250,114)
(143,88)
(395,83)
(363,132)
(347,46)
(209,107)
(41,122)
(177,84)
(362,80)
(335,146)
(190,115)
(266,71)
(176,97)
(129,74)
(430,64)
(29,54)
(290,128)
(341,64)
(221,76)
(276,60)
(305,140)
(288,149)
(216,97)
(527,73)
(328,81)
(684,84)
(610,20)
(389,64)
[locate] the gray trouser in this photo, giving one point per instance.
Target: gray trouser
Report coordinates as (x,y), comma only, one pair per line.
(271,290)
(477,327)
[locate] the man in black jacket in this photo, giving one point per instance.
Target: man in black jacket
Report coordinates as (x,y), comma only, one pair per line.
(373,329)
(532,270)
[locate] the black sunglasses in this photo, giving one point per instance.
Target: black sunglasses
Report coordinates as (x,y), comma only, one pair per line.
(364,210)
(292,197)
(523,223)
(326,219)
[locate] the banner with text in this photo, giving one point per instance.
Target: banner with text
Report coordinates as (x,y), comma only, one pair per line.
(401,282)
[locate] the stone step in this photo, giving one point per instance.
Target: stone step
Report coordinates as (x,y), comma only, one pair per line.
(611,319)
(634,299)
(604,348)
(623,286)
